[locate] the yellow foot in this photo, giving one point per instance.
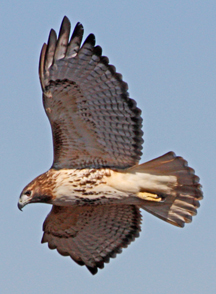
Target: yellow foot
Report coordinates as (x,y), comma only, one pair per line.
(149,196)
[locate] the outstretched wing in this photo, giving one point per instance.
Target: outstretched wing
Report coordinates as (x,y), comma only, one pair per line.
(90,235)
(94,122)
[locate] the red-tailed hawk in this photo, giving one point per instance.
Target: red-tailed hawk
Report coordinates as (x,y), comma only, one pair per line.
(95,184)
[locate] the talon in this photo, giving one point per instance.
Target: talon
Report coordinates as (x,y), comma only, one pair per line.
(149,196)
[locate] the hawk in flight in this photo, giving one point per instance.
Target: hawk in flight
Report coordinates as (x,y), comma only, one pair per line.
(96,185)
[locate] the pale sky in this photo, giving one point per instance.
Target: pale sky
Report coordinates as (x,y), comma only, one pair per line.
(166,52)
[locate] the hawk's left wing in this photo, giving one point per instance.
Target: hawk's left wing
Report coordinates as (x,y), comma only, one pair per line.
(94,122)
(90,235)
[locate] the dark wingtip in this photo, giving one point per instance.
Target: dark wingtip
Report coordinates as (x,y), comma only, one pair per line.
(90,39)
(78,30)
(65,20)
(65,26)
(93,270)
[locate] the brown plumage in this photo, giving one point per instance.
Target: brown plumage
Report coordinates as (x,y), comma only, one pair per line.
(95,184)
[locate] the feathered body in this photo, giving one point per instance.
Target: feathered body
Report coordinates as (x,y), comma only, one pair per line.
(96,184)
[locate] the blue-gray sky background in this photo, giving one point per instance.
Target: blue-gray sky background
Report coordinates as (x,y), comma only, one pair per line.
(166,51)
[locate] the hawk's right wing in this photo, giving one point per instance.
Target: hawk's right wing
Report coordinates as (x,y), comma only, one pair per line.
(90,235)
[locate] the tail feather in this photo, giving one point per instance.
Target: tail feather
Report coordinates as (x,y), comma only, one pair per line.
(162,163)
(182,202)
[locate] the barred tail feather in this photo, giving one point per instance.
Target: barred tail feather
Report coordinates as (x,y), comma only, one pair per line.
(178,206)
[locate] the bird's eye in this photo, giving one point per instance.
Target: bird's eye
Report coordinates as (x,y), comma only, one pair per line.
(28,193)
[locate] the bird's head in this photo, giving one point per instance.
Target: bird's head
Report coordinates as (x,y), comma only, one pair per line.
(38,190)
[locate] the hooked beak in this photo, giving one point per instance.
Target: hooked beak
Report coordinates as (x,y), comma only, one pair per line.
(23,200)
(20,206)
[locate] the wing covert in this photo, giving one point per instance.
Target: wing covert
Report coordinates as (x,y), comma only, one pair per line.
(94,122)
